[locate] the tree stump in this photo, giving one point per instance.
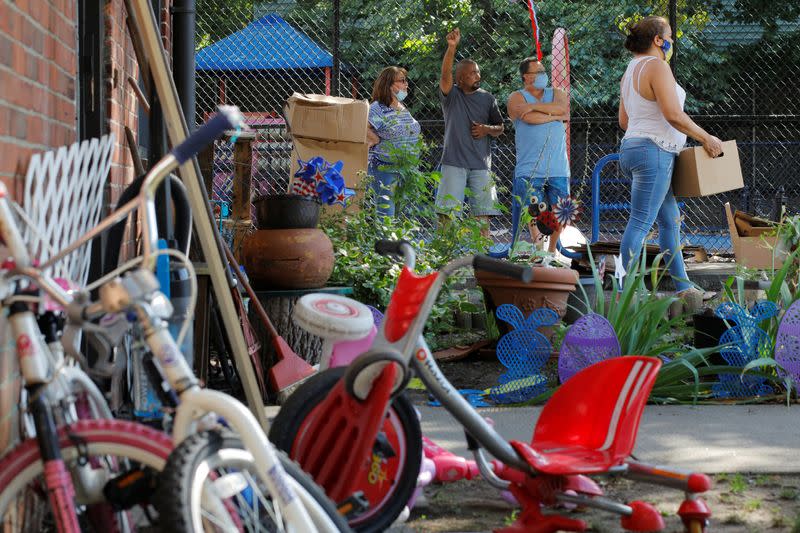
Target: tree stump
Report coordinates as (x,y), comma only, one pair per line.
(279,306)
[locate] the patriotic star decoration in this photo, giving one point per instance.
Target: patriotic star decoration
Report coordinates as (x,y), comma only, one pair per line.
(312,170)
(320,179)
(567,210)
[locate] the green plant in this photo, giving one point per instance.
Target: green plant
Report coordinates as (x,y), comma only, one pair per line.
(639,317)
(752,505)
(788,493)
(354,232)
(511,518)
(782,290)
(738,484)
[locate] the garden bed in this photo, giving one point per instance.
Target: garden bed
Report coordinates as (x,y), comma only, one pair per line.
(739,503)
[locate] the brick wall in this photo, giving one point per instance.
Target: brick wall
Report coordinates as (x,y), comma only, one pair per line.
(38,67)
(122,108)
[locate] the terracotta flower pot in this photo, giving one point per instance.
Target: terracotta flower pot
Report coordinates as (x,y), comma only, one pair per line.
(550,288)
(286,211)
(299,258)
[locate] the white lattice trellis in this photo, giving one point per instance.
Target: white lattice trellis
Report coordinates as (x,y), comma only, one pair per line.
(64,198)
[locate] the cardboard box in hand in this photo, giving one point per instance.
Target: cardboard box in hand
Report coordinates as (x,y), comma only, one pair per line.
(698,174)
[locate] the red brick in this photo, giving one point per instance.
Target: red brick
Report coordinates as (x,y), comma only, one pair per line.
(9,21)
(32,67)
(19,124)
(36,130)
(4,118)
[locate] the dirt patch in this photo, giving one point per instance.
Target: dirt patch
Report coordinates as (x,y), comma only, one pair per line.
(739,503)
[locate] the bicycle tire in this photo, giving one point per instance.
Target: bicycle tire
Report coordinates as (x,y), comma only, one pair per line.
(402,420)
(97,439)
(205,452)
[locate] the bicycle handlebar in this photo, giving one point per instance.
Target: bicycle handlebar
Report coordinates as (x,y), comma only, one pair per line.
(228,117)
(504,268)
(387,247)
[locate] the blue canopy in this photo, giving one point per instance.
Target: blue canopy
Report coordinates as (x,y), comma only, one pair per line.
(267,43)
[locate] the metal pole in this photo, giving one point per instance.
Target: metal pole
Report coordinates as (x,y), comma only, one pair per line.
(336,51)
(673,22)
(183,31)
(221,279)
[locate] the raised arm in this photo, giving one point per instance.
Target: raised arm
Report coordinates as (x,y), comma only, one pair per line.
(446,79)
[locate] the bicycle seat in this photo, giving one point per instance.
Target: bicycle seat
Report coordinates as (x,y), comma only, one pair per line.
(590,423)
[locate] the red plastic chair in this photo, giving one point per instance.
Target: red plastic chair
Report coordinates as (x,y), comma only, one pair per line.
(587,427)
(590,423)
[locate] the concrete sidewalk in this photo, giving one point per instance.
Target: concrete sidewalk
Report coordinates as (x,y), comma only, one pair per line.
(712,439)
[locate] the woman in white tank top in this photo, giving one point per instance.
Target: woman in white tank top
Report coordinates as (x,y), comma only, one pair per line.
(656,127)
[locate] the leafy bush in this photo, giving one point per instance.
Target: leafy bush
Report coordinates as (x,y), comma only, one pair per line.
(373,276)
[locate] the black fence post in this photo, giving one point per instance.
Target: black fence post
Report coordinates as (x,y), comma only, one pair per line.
(336,51)
(673,22)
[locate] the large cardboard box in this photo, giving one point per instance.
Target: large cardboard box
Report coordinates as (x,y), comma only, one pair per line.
(698,174)
(757,249)
(327,118)
(352,155)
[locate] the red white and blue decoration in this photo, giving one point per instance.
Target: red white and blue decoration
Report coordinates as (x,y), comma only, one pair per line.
(535,29)
(319,179)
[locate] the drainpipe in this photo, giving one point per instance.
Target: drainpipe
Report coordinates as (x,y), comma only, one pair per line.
(183,34)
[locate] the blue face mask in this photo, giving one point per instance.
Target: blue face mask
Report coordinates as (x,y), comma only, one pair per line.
(667,49)
(540,82)
(401,95)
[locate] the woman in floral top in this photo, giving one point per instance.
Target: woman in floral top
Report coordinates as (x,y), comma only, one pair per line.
(392,134)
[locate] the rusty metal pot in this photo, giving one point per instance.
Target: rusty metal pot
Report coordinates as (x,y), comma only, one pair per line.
(300,258)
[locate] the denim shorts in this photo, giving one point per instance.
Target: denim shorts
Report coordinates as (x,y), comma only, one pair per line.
(527,187)
(452,187)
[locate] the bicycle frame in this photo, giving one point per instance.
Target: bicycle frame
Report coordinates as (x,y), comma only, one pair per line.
(401,331)
(415,350)
(138,292)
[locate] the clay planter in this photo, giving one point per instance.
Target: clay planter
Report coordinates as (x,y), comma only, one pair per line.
(288,258)
(286,211)
(550,288)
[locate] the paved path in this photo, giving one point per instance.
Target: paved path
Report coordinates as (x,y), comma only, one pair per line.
(712,439)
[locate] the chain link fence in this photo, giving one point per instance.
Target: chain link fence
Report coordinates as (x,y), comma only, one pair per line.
(737,59)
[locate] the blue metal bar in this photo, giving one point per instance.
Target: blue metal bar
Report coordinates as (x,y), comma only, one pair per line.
(598,168)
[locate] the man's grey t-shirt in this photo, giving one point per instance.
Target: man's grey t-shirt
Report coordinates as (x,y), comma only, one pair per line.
(460,110)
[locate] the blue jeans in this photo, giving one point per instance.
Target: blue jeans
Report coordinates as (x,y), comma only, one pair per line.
(650,170)
(383,187)
(526,187)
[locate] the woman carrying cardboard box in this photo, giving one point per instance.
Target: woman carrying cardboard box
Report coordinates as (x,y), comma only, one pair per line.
(393,134)
(656,127)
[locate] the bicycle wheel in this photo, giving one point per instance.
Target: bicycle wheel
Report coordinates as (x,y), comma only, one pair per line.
(94,451)
(395,463)
(245,506)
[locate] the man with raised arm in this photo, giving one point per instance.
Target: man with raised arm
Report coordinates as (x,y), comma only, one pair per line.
(471,116)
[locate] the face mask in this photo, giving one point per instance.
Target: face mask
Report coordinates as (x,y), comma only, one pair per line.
(540,82)
(667,49)
(401,95)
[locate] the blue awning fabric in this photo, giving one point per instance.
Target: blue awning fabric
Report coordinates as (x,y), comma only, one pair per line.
(267,43)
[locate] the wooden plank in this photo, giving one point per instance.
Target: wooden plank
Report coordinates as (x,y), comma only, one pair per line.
(242,178)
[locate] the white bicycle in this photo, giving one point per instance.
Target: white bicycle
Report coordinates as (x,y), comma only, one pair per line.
(265,492)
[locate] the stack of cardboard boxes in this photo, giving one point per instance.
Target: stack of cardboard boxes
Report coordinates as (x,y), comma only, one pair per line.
(330,127)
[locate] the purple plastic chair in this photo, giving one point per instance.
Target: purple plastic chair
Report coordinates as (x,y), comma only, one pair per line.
(787,344)
(589,340)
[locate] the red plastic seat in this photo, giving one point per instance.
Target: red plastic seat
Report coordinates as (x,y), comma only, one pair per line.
(589,425)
